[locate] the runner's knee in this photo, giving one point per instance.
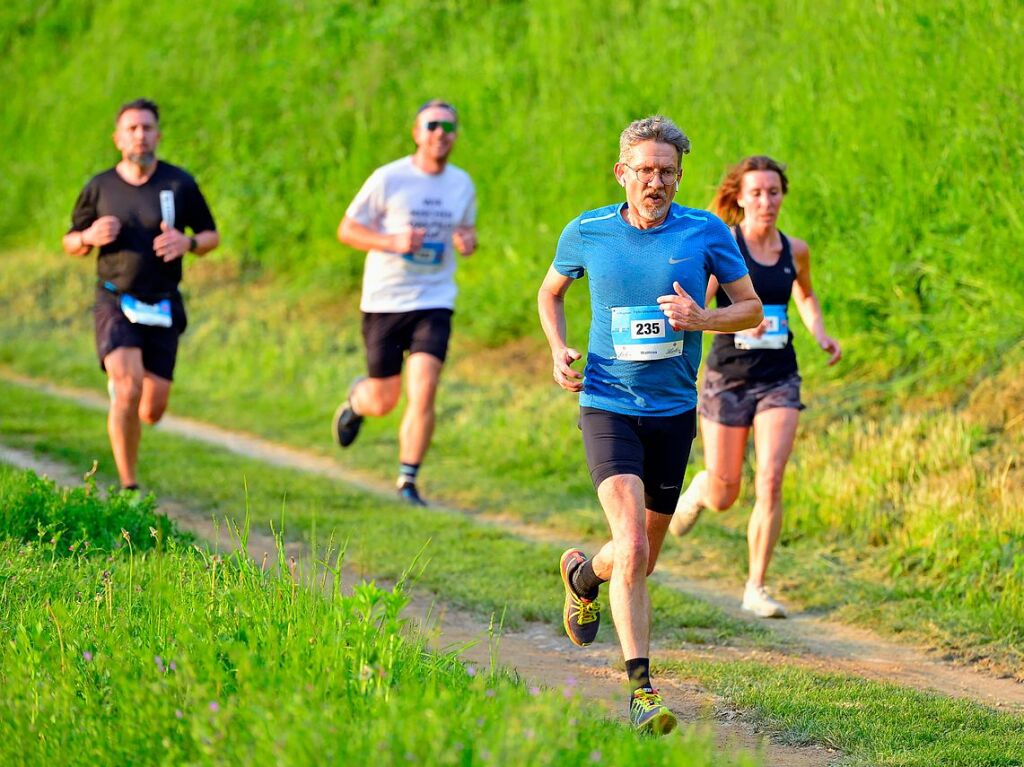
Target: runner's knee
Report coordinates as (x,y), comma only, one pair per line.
(377,397)
(768,483)
(632,554)
(721,492)
(152,412)
(127,391)
(421,396)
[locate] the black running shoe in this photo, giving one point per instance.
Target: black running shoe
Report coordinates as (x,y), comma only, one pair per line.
(649,714)
(410,495)
(346,422)
(580,617)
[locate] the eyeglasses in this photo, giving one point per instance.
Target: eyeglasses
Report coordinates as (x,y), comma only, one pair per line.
(432,125)
(669,176)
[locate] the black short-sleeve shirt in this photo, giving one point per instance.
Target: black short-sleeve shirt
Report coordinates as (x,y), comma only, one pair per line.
(129,262)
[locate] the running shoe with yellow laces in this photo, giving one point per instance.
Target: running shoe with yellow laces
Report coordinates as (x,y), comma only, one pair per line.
(649,714)
(581,617)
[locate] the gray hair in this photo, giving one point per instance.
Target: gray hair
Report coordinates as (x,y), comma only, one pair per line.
(654,128)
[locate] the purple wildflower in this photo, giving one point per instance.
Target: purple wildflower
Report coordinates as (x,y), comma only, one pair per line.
(87,656)
(214,706)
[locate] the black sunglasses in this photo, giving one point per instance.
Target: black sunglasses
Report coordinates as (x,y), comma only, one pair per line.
(446,125)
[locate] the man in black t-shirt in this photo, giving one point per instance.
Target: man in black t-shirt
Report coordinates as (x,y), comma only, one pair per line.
(136,213)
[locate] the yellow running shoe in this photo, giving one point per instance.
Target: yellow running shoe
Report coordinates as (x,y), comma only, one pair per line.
(648,714)
(581,617)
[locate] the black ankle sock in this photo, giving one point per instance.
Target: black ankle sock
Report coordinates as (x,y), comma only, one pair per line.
(129,487)
(585,581)
(639,672)
(407,473)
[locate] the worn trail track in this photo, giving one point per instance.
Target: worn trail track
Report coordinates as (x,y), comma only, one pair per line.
(539,654)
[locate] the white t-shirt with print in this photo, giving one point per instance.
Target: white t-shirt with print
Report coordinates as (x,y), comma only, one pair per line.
(399,195)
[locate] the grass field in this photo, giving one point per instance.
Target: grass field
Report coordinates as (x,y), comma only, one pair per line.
(150,651)
(900,123)
(870,723)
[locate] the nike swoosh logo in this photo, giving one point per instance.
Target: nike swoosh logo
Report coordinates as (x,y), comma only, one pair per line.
(676,260)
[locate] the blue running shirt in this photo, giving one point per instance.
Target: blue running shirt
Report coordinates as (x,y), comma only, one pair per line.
(629,267)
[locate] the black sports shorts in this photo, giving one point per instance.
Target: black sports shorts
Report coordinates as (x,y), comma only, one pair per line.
(159,345)
(656,449)
(389,335)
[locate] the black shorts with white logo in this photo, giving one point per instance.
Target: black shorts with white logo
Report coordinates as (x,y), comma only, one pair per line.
(388,336)
(159,345)
(656,449)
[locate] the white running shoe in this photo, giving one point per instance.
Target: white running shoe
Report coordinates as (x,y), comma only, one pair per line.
(689,507)
(757,601)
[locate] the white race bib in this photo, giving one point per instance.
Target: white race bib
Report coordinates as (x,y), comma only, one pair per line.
(155,315)
(775,337)
(429,254)
(643,333)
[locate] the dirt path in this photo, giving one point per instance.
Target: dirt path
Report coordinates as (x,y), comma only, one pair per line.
(827,643)
(538,655)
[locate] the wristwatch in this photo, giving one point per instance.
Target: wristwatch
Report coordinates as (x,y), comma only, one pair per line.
(192,244)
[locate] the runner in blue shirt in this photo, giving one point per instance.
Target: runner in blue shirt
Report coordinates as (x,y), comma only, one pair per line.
(648,262)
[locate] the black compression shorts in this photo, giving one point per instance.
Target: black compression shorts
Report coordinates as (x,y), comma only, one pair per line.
(389,335)
(656,449)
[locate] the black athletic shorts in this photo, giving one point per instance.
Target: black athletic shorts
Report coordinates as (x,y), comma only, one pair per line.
(159,345)
(656,449)
(390,335)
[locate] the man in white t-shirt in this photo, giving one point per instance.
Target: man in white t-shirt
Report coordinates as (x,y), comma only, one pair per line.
(410,217)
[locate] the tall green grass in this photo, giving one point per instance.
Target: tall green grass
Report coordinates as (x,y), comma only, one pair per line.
(903,156)
(78,518)
(175,656)
(157,653)
(903,159)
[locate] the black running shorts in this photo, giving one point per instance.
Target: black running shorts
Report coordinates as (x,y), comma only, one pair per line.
(159,345)
(389,336)
(656,449)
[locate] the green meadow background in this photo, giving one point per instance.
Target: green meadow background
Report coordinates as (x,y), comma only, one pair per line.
(900,123)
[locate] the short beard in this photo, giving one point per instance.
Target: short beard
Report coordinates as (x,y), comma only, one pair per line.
(652,214)
(143,160)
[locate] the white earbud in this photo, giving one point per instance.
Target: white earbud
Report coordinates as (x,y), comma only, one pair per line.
(622,182)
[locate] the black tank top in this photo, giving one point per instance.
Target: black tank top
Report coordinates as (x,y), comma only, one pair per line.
(774,285)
